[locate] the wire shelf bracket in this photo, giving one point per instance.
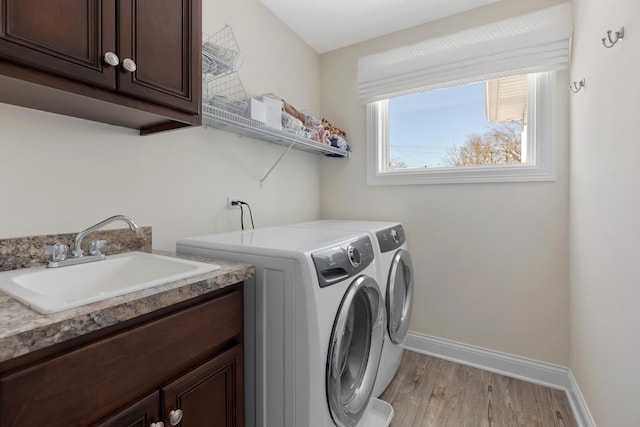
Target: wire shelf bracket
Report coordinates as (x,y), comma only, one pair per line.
(264,178)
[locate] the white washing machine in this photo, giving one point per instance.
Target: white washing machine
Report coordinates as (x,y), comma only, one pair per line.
(395,276)
(314,323)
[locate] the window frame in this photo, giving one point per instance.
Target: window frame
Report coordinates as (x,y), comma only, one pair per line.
(541,135)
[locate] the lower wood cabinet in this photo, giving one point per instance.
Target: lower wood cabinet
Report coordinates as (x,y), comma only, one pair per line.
(141,414)
(209,395)
(184,368)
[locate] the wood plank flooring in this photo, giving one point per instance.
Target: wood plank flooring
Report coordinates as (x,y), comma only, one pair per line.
(431,392)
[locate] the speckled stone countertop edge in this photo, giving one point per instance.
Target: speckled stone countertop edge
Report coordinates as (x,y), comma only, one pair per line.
(24,330)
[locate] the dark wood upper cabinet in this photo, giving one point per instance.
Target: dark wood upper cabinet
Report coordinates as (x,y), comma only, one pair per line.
(67,37)
(156,34)
(139,55)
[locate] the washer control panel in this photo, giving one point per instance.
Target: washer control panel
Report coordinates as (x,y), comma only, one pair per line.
(341,262)
(391,238)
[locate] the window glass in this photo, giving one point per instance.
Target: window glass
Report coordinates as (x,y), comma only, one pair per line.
(495,131)
(459,126)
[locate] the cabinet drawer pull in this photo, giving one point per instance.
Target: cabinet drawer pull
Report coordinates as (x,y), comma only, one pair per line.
(129,65)
(175,417)
(158,424)
(111,59)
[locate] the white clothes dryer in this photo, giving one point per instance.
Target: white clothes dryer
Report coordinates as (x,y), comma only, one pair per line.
(314,323)
(395,276)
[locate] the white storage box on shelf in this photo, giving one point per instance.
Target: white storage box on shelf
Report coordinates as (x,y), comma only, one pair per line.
(267,110)
(256,110)
(274,111)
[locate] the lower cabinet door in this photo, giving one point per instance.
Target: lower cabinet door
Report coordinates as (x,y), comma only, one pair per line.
(210,395)
(144,413)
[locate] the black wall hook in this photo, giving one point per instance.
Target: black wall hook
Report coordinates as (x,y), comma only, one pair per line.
(619,35)
(577,86)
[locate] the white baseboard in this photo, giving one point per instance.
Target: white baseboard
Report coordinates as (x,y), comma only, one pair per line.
(579,404)
(546,374)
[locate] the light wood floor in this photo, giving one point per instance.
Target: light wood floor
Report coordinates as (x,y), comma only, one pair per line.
(430,392)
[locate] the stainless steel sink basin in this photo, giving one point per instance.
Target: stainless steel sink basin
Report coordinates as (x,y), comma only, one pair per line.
(49,290)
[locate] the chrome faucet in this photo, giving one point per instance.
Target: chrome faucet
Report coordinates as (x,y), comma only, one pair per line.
(77,252)
(59,253)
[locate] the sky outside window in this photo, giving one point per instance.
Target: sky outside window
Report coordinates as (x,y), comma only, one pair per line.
(424,125)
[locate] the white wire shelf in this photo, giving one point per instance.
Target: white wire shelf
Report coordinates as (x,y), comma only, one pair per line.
(218,118)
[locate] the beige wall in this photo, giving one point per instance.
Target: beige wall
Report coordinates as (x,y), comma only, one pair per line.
(61,174)
(605,208)
(491,260)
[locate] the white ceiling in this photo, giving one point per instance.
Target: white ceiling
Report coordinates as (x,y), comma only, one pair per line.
(331,24)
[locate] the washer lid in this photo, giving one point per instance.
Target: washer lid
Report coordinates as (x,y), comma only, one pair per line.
(399,296)
(354,351)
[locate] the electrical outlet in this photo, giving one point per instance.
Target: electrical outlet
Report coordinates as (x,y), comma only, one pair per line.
(230,200)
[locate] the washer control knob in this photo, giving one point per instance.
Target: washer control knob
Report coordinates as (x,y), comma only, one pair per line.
(354,256)
(394,235)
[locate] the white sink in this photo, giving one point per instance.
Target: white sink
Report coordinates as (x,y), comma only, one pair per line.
(49,290)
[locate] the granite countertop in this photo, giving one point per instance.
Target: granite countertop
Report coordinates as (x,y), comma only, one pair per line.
(23,330)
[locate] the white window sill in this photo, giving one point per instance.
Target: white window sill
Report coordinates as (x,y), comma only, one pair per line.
(462,175)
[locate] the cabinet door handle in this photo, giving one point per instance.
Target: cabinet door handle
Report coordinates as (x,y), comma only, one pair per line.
(111,59)
(175,417)
(158,424)
(129,65)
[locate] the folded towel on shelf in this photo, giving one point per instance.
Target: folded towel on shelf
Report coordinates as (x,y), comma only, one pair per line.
(294,126)
(290,123)
(322,137)
(312,123)
(310,127)
(340,142)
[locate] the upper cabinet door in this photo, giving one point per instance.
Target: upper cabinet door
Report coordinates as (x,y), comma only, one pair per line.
(160,47)
(65,37)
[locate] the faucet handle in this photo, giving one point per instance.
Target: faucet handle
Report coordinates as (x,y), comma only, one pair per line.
(96,245)
(57,251)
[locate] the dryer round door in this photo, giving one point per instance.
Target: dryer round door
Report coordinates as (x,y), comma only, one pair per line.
(354,351)
(399,296)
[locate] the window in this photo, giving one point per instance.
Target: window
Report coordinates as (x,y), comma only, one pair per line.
(472,63)
(444,144)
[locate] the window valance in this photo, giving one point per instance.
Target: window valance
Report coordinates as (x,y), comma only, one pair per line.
(531,43)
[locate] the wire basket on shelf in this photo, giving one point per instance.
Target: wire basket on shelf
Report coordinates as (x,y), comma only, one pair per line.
(226,93)
(220,53)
